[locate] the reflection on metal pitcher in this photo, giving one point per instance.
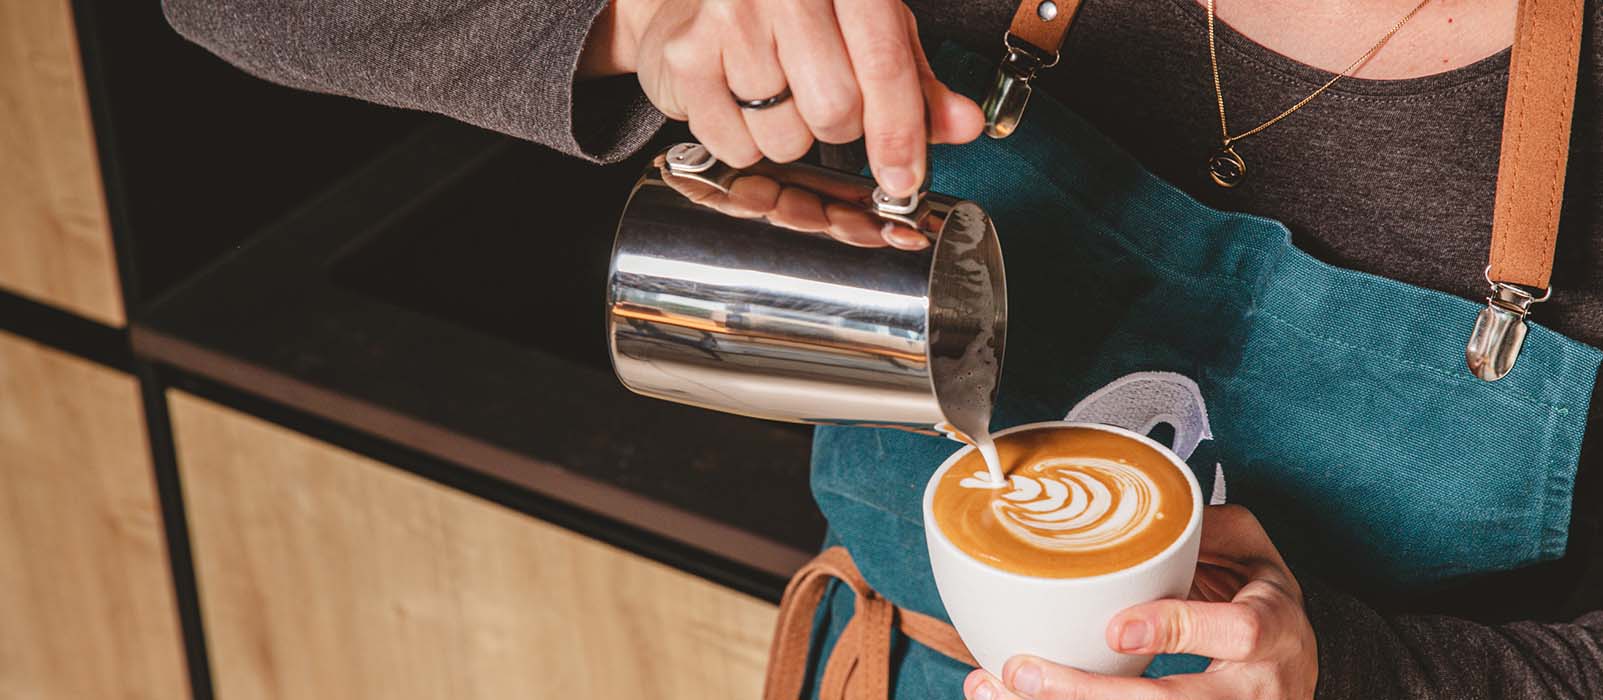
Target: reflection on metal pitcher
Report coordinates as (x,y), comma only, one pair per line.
(792,292)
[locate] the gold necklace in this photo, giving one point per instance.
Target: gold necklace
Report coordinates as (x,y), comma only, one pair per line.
(1225,166)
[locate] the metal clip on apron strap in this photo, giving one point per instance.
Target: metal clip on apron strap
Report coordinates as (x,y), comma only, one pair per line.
(1530,179)
(859,667)
(1032,42)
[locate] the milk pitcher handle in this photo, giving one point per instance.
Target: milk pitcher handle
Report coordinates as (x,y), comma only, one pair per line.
(694,161)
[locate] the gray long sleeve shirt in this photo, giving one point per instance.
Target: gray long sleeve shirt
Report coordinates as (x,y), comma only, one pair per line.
(506,66)
(1138,70)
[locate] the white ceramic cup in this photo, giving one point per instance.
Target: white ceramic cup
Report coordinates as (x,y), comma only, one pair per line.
(1001,614)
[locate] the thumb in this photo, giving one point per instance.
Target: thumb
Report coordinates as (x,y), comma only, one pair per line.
(1229,631)
(953,118)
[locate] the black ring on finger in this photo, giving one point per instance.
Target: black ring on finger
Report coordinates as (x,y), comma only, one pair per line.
(763,103)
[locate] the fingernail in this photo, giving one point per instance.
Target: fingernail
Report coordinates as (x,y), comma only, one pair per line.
(1137,634)
(984,691)
(903,237)
(897,179)
(1027,679)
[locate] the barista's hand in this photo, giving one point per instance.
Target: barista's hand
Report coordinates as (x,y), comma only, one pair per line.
(1246,613)
(854,68)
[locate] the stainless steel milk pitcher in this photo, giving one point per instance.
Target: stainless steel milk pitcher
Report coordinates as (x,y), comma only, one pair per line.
(772,292)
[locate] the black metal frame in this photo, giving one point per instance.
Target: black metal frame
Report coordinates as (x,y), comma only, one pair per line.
(164,462)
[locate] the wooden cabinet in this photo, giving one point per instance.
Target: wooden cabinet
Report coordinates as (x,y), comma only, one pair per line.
(55,242)
(324,574)
(86,601)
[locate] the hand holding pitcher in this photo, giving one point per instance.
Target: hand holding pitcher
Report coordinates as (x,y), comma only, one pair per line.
(768,78)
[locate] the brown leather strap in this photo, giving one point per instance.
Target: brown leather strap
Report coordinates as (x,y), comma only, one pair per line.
(859,665)
(1046,35)
(1536,141)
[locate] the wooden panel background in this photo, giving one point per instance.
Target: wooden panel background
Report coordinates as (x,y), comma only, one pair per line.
(324,574)
(86,603)
(55,241)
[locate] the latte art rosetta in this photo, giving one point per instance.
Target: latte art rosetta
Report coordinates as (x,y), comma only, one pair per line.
(1079,504)
(1076,501)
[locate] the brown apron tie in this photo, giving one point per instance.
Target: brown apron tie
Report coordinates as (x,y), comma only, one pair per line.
(859,665)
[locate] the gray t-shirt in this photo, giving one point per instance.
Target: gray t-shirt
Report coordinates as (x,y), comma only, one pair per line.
(1390,177)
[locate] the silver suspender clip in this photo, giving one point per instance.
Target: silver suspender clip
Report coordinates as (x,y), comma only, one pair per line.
(1499,332)
(1010,92)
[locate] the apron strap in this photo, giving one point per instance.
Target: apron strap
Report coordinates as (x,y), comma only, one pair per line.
(1042,24)
(1032,42)
(1530,179)
(859,665)
(1536,141)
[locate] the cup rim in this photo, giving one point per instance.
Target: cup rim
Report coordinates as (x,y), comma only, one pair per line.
(934,531)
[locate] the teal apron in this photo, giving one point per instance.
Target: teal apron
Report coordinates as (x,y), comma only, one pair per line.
(1339,406)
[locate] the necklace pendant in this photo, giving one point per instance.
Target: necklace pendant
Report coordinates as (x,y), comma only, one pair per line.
(1226,168)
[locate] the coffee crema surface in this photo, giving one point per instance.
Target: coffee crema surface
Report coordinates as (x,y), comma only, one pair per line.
(1078,502)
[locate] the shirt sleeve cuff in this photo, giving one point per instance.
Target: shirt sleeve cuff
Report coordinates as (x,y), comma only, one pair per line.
(607,119)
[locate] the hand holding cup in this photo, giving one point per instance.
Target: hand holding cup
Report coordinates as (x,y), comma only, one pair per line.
(1245,612)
